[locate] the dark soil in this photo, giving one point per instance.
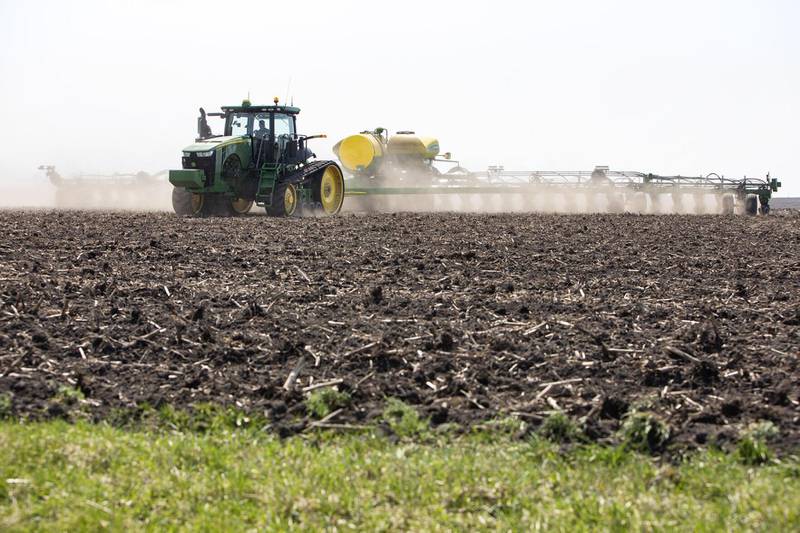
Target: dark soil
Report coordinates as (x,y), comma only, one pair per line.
(467,317)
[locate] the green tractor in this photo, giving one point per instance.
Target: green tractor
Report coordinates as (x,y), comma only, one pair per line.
(259,159)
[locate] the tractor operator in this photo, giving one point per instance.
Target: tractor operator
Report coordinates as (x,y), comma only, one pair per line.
(262,131)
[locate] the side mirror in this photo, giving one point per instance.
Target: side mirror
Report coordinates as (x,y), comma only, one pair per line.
(203,129)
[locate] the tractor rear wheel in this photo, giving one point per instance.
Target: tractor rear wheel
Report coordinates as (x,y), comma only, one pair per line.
(284,201)
(187,203)
(327,189)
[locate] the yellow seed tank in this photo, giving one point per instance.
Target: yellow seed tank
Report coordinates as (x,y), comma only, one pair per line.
(365,152)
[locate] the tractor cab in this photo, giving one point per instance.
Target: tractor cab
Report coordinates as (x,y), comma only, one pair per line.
(271,131)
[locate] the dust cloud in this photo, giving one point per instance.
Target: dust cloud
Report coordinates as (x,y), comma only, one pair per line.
(143,192)
(155,196)
(452,194)
(16,195)
(550,200)
(121,192)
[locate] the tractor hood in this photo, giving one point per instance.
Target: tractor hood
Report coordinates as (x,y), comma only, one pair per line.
(215,142)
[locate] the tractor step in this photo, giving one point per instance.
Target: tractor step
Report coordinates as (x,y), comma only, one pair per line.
(270,174)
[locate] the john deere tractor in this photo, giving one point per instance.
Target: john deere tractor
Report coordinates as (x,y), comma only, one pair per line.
(259,159)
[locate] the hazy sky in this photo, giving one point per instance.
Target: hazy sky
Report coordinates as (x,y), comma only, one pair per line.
(666,87)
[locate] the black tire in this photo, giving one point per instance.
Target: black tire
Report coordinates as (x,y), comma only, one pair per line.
(240,206)
(751,204)
(728,204)
(281,205)
(327,189)
(765,209)
(186,203)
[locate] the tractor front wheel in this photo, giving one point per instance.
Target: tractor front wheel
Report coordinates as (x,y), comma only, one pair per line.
(205,205)
(241,206)
(327,189)
(284,201)
(187,203)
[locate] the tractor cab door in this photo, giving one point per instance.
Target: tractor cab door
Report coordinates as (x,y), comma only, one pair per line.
(285,138)
(262,139)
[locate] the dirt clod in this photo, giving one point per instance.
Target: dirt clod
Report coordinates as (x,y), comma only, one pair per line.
(704,373)
(613,408)
(709,339)
(376,294)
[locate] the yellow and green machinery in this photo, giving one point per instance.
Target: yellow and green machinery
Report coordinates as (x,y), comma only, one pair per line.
(374,158)
(381,166)
(260,158)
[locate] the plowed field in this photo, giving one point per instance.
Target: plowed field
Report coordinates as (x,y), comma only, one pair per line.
(466,317)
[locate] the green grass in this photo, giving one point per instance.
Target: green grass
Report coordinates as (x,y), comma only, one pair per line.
(5,406)
(83,476)
(558,427)
(644,432)
(403,419)
(752,448)
(323,402)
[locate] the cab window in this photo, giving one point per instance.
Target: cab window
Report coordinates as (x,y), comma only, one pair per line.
(284,125)
(261,125)
(241,124)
